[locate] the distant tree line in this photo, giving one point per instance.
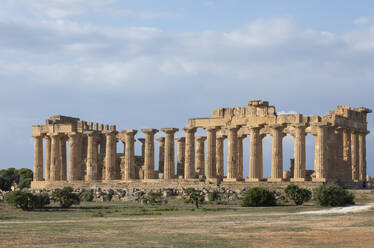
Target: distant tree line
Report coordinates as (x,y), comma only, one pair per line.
(21,178)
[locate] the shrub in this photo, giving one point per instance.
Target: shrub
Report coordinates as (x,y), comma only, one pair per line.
(154,198)
(331,194)
(40,200)
(258,197)
(108,196)
(193,196)
(19,199)
(87,196)
(27,201)
(212,196)
(298,195)
(65,197)
(10,176)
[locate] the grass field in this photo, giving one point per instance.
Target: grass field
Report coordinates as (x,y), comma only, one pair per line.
(179,225)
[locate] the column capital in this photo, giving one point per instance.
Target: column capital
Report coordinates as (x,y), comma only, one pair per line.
(200,138)
(149,131)
(110,132)
(221,137)
(169,130)
(241,137)
(190,129)
(180,139)
(73,135)
(212,128)
(130,131)
(276,126)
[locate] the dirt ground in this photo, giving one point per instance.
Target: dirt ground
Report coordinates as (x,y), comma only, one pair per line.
(179,225)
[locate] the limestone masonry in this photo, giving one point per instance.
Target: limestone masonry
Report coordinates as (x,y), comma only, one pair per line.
(340,149)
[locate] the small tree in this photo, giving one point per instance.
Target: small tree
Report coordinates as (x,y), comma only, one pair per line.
(154,198)
(193,196)
(27,201)
(331,194)
(298,195)
(87,196)
(65,197)
(258,197)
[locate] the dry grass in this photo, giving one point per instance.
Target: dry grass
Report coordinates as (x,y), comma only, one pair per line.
(178,225)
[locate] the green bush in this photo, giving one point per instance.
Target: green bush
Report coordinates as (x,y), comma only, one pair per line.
(87,196)
(298,195)
(193,196)
(331,194)
(19,199)
(212,196)
(65,197)
(258,197)
(108,196)
(27,201)
(154,198)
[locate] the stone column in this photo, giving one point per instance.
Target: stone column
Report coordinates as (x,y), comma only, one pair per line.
(149,153)
(211,152)
(362,155)
(129,170)
(110,155)
(169,157)
(277,154)
(142,140)
(38,158)
(73,157)
(91,161)
(200,155)
(47,157)
(124,146)
(299,153)
(54,171)
(260,167)
(254,159)
(240,156)
(220,156)
(161,154)
(189,164)
(63,164)
(354,156)
(181,147)
(320,161)
(347,146)
(232,154)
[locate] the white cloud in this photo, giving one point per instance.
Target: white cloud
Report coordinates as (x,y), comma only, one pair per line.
(362,20)
(210,3)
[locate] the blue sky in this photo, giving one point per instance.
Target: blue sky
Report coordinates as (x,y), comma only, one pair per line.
(155,64)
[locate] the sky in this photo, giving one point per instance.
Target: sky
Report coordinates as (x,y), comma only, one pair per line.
(153,64)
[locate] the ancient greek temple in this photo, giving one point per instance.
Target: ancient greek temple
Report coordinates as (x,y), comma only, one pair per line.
(340,148)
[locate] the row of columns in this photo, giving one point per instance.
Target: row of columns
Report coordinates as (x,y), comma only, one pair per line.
(353,146)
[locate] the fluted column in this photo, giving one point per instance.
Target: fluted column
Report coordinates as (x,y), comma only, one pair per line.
(277,154)
(38,158)
(54,171)
(149,153)
(232,155)
(254,159)
(47,157)
(181,146)
(161,154)
(129,170)
(347,146)
(299,153)
(220,156)
(91,161)
(320,161)
(73,157)
(142,141)
(110,155)
(189,164)
(200,155)
(362,155)
(260,167)
(211,152)
(169,156)
(354,156)
(240,156)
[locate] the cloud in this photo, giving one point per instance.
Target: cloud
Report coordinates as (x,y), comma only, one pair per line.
(210,3)
(362,20)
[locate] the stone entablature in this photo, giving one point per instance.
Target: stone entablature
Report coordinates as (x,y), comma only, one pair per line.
(340,147)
